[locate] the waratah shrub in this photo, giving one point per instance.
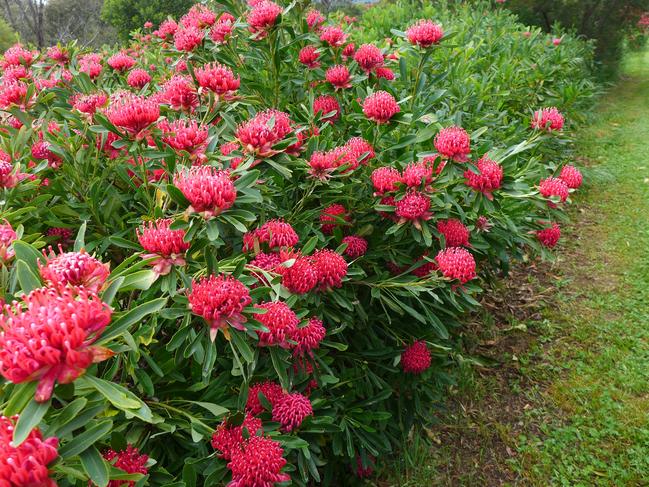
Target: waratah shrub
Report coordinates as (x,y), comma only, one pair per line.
(238,250)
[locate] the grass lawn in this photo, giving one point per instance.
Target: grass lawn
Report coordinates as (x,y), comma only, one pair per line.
(568,403)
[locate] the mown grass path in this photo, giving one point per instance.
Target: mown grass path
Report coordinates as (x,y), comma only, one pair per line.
(571,406)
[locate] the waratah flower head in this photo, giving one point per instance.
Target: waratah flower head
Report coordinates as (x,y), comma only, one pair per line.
(380,107)
(415,359)
(138,78)
(417,175)
(130,461)
(349,50)
(262,17)
(384,73)
(218,78)
(121,62)
(308,337)
(210,191)
(339,76)
(333,35)
(488,179)
(290,410)
(275,233)
(364,472)
(47,337)
(167,29)
(187,39)
(424,270)
(74,269)
(13,93)
(89,103)
(549,236)
(356,246)
(333,216)
(314,19)
(301,277)
(185,135)
(571,176)
(199,16)
(331,268)
(8,177)
(360,149)
(179,93)
(221,30)
(309,56)
(25,465)
(281,322)
(325,105)
(16,55)
(554,188)
(133,113)
(164,244)
(453,143)
(368,57)
(259,134)
(272,391)
(424,33)
(385,179)
(220,301)
(322,164)
(258,464)
(456,263)
(483,224)
(455,233)
(413,207)
(547,119)
(228,438)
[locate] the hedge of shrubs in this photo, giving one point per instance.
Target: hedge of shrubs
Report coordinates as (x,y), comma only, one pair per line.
(238,251)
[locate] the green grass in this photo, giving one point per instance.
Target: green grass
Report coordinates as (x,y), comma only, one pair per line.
(571,406)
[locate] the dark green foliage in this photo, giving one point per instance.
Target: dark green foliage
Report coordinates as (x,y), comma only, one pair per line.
(129,15)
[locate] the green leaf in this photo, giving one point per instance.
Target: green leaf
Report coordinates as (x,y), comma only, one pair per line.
(117,395)
(28,254)
(141,280)
(132,316)
(85,440)
(67,414)
(280,366)
(109,294)
(95,466)
(79,242)
(177,195)
(28,281)
(239,341)
(20,396)
(28,420)
(215,409)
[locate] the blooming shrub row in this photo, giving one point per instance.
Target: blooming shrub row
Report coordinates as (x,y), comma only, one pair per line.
(236,252)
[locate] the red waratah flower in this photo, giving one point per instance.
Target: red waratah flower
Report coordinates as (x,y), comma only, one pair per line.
(556,41)
(8,178)
(367,471)
(258,464)
(13,93)
(209,191)
(360,149)
(415,359)
(301,277)
(333,216)
(130,461)
(308,337)
(418,174)
(331,268)
(138,78)
(455,233)
(356,246)
(488,179)
(16,55)
(380,107)
(188,38)
(228,439)
(89,103)
(272,391)
(314,19)
(290,410)
(349,51)
(276,234)
(219,79)
(7,237)
(259,134)
(339,77)
(220,300)
(167,29)
(164,244)
(179,93)
(424,33)
(322,164)
(133,113)
(281,322)
(262,17)
(221,30)
(325,105)
(61,235)
(547,119)
(25,465)
(453,143)
(385,73)
(198,16)
(424,269)
(121,62)
(385,180)
(414,207)
(333,35)
(47,337)
(549,236)
(554,187)
(185,135)
(74,269)
(482,224)
(309,56)
(456,263)
(571,176)
(368,57)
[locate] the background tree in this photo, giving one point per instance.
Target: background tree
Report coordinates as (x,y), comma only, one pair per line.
(67,20)
(27,17)
(7,35)
(128,15)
